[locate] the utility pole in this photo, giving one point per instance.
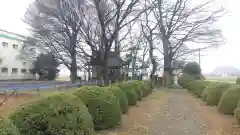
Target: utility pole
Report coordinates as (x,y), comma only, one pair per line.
(199,56)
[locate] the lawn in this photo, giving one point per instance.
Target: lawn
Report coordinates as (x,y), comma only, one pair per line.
(230,79)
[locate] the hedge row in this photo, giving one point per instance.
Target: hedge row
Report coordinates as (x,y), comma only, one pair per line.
(81,112)
(226,96)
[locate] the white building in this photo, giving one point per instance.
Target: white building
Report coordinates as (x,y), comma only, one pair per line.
(11,67)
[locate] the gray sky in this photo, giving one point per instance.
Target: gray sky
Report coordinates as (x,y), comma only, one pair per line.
(12,12)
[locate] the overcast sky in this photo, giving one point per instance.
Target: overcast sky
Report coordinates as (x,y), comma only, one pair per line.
(12,12)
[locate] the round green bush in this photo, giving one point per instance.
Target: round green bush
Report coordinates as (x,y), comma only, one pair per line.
(192,68)
(148,83)
(238,80)
(7,128)
(229,99)
(130,93)
(185,80)
(135,86)
(199,86)
(58,114)
(215,94)
(237,112)
(145,87)
(211,86)
(102,105)
(190,86)
(121,96)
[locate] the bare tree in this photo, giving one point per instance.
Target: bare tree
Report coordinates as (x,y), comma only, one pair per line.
(181,23)
(149,28)
(55,26)
(107,19)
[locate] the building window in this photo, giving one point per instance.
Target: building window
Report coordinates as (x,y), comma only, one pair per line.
(15,46)
(24,63)
(14,70)
(23,70)
(4,44)
(4,70)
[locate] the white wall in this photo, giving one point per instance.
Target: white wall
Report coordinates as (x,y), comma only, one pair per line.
(9,56)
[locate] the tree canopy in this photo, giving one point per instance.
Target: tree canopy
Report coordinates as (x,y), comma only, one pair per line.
(46,65)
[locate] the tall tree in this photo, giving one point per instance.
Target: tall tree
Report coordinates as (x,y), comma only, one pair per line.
(107,18)
(55,26)
(183,23)
(149,30)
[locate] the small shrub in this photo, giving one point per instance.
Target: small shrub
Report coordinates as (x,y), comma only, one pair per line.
(210,87)
(130,93)
(135,86)
(238,80)
(121,96)
(185,80)
(58,114)
(145,87)
(237,112)
(148,82)
(199,86)
(191,86)
(102,105)
(215,94)
(229,100)
(7,128)
(192,68)
(149,88)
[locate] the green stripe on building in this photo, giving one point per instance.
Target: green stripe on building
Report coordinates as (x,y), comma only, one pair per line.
(10,38)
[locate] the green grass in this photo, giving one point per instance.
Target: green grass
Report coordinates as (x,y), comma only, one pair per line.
(230,79)
(62,78)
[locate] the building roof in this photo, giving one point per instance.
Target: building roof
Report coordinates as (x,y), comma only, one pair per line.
(11,36)
(114,59)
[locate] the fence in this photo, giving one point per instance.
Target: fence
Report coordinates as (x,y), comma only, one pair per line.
(14,90)
(16,77)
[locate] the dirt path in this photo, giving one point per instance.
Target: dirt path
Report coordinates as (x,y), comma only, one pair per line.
(184,114)
(179,117)
(175,112)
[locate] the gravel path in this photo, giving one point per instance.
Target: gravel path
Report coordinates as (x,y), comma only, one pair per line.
(184,114)
(175,112)
(179,117)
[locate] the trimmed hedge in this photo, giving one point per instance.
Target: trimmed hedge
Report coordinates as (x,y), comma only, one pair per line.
(130,93)
(237,112)
(229,99)
(148,84)
(198,86)
(7,128)
(210,87)
(121,96)
(215,94)
(58,114)
(146,88)
(136,87)
(102,105)
(185,80)
(238,80)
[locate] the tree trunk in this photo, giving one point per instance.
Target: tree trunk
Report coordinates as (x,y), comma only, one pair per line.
(153,61)
(152,75)
(167,64)
(73,53)
(85,75)
(105,69)
(73,71)
(89,72)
